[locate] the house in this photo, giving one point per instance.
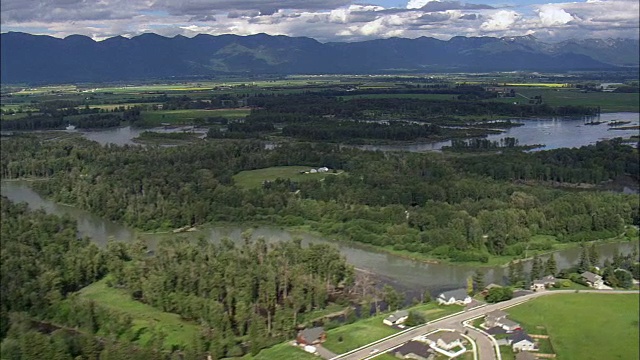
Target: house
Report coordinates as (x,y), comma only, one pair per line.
(543,283)
(458,296)
(594,280)
(492,319)
(525,355)
(396,318)
(498,319)
(445,340)
(323,169)
(313,171)
(520,341)
(414,350)
(509,325)
(486,289)
(311,336)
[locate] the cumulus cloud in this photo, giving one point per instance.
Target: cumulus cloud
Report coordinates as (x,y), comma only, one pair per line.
(501,20)
(325,20)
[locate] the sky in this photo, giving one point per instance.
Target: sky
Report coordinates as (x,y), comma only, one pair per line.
(325,20)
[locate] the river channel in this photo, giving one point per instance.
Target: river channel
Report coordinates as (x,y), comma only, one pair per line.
(405,274)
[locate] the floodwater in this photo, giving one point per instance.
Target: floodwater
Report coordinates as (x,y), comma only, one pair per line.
(553,132)
(405,274)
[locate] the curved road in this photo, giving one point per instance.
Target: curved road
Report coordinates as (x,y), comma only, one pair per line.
(486,350)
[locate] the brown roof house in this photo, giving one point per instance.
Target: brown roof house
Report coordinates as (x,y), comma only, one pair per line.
(311,336)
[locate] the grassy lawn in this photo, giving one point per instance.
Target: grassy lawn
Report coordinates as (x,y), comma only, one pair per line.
(357,334)
(282,351)
(252,179)
(507,353)
(585,326)
(144,316)
(155,118)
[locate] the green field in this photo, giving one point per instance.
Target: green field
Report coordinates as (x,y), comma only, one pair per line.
(252,179)
(585,326)
(357,334)
(155,118)
(608,102)
(144,316)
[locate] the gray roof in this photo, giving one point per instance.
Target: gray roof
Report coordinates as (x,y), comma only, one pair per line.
(312,334)
(496,314)
(549,279)
(458,294)
(492,285)
(496,330)
(509,323)
(397,315)
(518,336)
(414,347)
(591,277)
(446,336)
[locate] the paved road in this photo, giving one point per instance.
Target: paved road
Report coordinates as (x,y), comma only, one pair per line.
(485,346)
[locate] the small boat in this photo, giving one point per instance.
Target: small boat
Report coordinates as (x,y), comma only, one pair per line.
(70,127)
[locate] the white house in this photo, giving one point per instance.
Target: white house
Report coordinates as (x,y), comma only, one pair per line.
(542,284)
(396,318)
(520,341)
(458,296)
(323,169)
(313,171)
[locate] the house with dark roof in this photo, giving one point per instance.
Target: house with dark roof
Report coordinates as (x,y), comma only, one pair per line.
(311,336)
(521,341)
(594,280)
(396,318)
(458,296)
(414,350)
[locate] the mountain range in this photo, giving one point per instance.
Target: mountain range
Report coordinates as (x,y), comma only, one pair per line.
(26,58)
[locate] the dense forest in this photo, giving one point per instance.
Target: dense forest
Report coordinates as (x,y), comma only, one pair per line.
(461,208)
(243,298)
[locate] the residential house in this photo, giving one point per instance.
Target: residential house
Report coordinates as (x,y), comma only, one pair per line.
(414,350)
(396,318)
(594,280)
(445,340)
(520,341)
(311,336)
(458,296)
(544,283)
(498,319)
(492,319)
(323,169)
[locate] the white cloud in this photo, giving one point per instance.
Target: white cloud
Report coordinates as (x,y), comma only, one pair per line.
(552,16)
(500,20)
(417,4)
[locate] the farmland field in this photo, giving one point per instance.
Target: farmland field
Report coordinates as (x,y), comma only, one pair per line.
(585,326)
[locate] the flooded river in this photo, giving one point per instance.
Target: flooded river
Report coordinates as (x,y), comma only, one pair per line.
(403,273)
